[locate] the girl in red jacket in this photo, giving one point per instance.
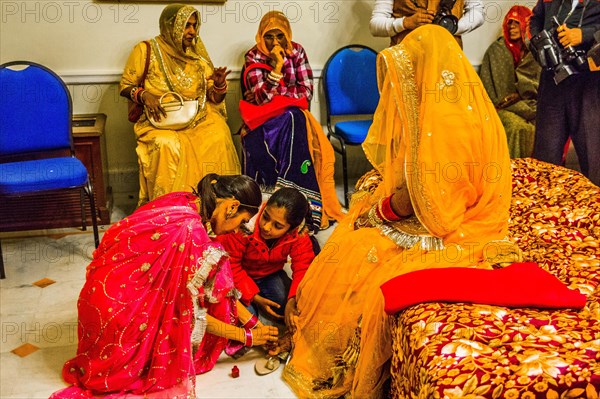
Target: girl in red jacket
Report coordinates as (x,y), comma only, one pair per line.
(257,258)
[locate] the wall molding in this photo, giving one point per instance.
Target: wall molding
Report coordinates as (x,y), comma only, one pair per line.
(111,77)
(80,78)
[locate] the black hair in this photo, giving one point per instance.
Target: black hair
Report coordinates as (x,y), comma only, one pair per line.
(240,187)
(297,208)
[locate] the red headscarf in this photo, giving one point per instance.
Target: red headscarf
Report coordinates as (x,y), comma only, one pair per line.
(521,14)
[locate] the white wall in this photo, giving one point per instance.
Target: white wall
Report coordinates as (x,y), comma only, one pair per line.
(87,43)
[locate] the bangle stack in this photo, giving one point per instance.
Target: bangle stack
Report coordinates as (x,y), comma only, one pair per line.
(249,338)
(251,323)
(135,94)
(220,89)
(385,211)
(140,96)
(275,77)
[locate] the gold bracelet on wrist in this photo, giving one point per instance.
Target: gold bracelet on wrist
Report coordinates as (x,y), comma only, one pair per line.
(140,96)
(134,93)
(275,77)
(219,90)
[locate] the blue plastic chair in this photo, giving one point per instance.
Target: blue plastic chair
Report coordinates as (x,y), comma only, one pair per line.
(350,85)
(36,143)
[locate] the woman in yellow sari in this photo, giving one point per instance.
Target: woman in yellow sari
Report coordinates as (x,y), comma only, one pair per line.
(175,160)
(444,199)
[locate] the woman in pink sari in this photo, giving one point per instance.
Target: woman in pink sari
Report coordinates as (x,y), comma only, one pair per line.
(159,305)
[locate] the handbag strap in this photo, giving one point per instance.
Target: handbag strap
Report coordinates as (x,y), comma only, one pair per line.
(255,65)
(147,63)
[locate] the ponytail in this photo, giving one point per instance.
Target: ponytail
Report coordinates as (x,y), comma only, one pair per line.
(213,187)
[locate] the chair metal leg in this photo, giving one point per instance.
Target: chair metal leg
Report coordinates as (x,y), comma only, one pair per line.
(89,190)
(345,173)
(2,274)
(82,204)
(342,152)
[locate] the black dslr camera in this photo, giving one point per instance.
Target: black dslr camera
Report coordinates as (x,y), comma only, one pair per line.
(594,54)
(553,57)
(444,17)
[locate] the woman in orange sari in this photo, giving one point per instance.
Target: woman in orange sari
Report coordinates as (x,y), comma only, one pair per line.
(444,198)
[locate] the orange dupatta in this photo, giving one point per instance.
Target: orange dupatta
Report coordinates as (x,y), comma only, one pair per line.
(323,158)
(436,130)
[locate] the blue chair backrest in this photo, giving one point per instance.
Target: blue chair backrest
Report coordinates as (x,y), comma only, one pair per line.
(350,81)
(35,109)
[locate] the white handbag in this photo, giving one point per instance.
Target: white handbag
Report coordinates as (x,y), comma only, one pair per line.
(180,113)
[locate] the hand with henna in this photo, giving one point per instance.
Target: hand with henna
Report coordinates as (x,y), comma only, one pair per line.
(153,107)
(219,76)
(265,335)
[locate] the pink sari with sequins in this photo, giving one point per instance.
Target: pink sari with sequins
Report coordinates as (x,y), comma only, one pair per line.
(136,309)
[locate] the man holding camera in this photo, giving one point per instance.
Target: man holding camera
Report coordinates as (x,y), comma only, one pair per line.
(396,18)
(569,93)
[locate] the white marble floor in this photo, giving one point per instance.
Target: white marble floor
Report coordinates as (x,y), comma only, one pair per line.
(45,320)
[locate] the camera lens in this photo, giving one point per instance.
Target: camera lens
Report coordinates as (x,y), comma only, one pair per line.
(448,22)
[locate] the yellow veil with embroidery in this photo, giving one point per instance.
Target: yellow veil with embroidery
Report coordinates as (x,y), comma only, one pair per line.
(435,130)
(175,60)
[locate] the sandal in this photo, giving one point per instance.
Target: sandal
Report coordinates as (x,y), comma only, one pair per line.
(267,365)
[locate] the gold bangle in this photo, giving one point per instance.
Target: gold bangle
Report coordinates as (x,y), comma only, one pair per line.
(135,93)
(220,90)
(380,213)
(274,76)
(141,96)
(213,96)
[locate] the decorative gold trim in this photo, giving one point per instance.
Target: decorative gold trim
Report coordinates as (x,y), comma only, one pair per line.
(202,111)
(410,232)
(209,259)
